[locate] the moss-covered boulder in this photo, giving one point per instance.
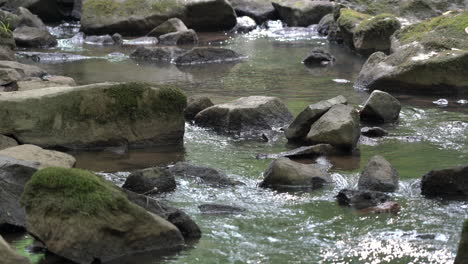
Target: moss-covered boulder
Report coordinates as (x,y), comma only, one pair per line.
(302,13)
(348,21)
(83,218)
(138,17)
(374,34)
(96,115)
(9,256)
(462,255)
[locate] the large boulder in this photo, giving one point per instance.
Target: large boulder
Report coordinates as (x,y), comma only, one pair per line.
(31,37)
(259,10)
(196,104)
(13,176)
(379,175)
(94,116)
(201,174)
(7,142)
(45,158)
(179,38)
(338,127)
(26,18)
(374,34)
(462,254)
(348,21)
(83,218)
(299,128)
(9,256)
(130,17)
(246,115)
(302,13)
(169,26)
(285,173)
(202,55)
(150,180)
(380,107)
(451,183)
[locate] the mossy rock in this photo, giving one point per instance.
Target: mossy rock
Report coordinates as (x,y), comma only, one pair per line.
(374,34)
(348,21)
(462,255)
(81,217)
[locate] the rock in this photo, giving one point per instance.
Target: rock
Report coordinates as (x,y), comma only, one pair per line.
(325,23)
(46,158)
(141,41)
(26,18)
(160,54)
(177,217)
(374,34)
(6,142)
(202,174)
(48,10)
(379,175)
(259,10)
(338,127)
(169,26)
(33,37)
(69,210)
(95,116)
(448,183)
(46,82)
(244,24)
(317,57)
(380,107)
(13,176)
(195,105)
(9,17)
(6,53)
(361,199)
(373,132)
(285,173)
(187,37)
(51,57)
(12,71)
(220,209)
(132,18)
(118,39)
(150,181)
(246,115)
(462,254)
(60,80)
(419,9)
(201,55)
(299,128)
(389,207)
(315,150)
(104,40)
(9,256)
(348,21)
(302,13)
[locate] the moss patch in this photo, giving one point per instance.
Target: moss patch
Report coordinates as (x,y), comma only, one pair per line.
(169,100)
(349,18)
(380,23)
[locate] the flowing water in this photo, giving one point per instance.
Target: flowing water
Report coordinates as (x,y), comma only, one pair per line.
(295,227)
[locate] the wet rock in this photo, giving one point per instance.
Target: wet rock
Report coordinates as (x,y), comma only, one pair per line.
(373,132)
(315,150)
(374,34)
(150,181)
(325,23)
(338,127)
(348,21)
(169,26)
(31,37)
(6,142)
(317,57)
(187,37)
(38,83)
(94,116)
(380,107)
(56,57)
(141,41)
(246,115)
(244,24)
(462,254)
(76,226)
(195,105)
(6,53)
(201,55)
(45,158)
(302,13)
(299,128)
(389,207)
(159,54)
(60,80)
(205,175)
(361,199)
(13,176)
(220,209)
(259,10)
(104,40)
(9,256)
(448,183)
(285,173)
(118,39)
(26,18)
(379,175)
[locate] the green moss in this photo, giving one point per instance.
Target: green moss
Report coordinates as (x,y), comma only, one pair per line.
(380,23)
(66,191)
(169,100)
(349,18)
(165,6)
(126,99)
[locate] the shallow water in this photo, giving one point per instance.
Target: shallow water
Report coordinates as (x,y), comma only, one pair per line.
(300,227)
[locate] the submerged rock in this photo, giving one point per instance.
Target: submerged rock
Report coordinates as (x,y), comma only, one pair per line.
(201,55)
(169,26)
(32,37)
(205,175)
(9,256)
(83,218)
(462,254)
(179,38)
(285,173)
(259,10)
(217,209)
(380,107)
(150,181)
(196,104)
(315,150)
(45,158)
(373,132)
(246,115)
(389,207)
(158,54)
(302,13)
(361,199)
(379,175)
(318,56)
(451,183)
(95,116)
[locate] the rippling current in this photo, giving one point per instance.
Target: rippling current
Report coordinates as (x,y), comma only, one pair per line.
(295,227)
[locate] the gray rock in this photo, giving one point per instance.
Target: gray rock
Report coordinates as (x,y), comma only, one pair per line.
(380,107)
(299,128)
(32,37)
(302,13)
(220,209)
(379,175)
(315,150)
(10,17)
(361,199)
(186,37)
(338,127)
(374,34)
(118,39)
(462,254)
(169,26)
(159,54)
(103,40)
(451,183)
(141,41)
(195,105)
(7,142)
(47,10)
(259,10)
(11,71)
(204,175)
(150,181)
(325,24)
(318,57)
(6,53)
(373,132)
(45,158)
(201,55)
(245,116)
(26,18)
(285,173)
(9,256)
